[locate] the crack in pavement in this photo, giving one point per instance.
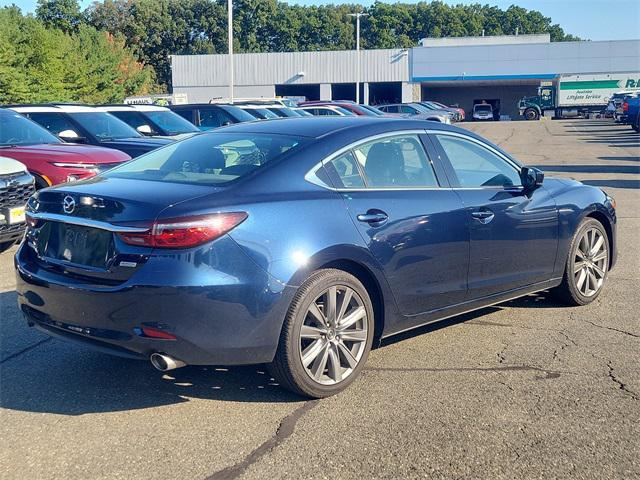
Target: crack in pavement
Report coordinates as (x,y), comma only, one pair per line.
(612,329)
(622,386)
(284,431)
(25,350)
(548,373)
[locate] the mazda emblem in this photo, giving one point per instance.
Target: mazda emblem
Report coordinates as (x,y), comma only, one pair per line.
(68,204)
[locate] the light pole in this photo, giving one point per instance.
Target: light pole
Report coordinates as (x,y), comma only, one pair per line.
(230,40)
(358,15)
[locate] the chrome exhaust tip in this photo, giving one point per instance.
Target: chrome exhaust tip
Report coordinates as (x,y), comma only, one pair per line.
(164,363)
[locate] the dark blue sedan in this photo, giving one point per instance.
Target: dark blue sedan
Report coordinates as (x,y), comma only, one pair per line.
(302,242)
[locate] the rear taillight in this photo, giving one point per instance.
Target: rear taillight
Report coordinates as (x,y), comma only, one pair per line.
(625,107)
(185,232)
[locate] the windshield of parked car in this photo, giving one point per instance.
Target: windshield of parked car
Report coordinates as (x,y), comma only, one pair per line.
(421,108)
(482,108)
(18,130)
(209,159)
(170,123)
(373,110)
(104,126)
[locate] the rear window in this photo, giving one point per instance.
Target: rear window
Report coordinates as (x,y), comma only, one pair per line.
(210,159)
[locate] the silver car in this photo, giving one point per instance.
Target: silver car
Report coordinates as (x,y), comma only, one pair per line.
(415,110)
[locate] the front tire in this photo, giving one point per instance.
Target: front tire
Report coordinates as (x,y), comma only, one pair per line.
(326,336)
(531,114)
(587,264)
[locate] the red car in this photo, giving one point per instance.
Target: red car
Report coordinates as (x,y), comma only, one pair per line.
(47,158)
(355,108)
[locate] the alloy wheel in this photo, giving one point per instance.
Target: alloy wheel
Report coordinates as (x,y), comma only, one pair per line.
(333,335)
(590,262)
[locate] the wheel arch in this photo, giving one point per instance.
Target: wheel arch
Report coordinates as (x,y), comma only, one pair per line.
(371,284)
(606,223)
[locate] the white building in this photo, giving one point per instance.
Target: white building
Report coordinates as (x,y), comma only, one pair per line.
(450,70)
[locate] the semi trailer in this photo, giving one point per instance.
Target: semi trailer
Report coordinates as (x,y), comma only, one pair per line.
(576,95)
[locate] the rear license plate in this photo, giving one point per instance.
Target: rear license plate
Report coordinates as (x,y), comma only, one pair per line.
(16,215)
(79,245)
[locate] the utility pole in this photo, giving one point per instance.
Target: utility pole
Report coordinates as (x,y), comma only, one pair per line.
(230,40)
(358,15)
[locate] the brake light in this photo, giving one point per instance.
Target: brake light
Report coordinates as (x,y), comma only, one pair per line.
(625,107)
(185,232)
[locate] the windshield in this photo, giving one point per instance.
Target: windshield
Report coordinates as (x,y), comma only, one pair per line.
(104,126)
(482,108)
(170,123)
(210,159)
(18,130)
(373,110)
(421,108)
(343,111)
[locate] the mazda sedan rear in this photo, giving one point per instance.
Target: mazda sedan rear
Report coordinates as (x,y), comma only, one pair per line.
(300,242)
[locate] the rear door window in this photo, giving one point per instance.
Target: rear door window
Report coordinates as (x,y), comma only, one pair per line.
(399,161)
(214,118)
(344,172)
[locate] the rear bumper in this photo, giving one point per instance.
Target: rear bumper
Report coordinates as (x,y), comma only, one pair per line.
(223,308)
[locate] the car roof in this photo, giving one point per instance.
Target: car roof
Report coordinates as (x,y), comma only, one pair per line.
(317,127)
(54,108)
(128,108)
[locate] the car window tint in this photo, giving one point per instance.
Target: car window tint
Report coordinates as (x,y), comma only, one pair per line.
(133,119)
(211,159)
(213,118)
(343,172)
(396,162)
(477,166)
(54,122)
(407,109)
(186,114)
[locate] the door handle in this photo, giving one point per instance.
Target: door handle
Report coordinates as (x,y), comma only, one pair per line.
(373,217)
(483,216)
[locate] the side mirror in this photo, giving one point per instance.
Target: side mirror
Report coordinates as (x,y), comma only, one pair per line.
(531,177)
(145,130)
(71,136)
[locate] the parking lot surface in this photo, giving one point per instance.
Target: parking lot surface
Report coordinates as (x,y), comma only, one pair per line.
(526,389)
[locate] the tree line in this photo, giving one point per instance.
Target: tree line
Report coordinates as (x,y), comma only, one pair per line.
(116,48)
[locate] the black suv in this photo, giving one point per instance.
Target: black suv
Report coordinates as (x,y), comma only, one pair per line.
(207,116)
(88,125)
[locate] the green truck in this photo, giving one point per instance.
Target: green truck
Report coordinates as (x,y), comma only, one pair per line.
(576,95)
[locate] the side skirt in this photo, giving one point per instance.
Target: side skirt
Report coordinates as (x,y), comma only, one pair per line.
(423,319)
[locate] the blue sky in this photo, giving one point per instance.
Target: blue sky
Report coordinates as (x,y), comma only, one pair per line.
(593,19)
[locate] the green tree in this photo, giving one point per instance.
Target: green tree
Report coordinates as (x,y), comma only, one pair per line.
(62,14)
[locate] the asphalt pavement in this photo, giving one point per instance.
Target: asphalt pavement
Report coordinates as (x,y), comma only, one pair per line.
(526,389)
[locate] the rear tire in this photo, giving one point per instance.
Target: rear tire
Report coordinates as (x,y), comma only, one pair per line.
(531,114)
(326,336)
(587,265)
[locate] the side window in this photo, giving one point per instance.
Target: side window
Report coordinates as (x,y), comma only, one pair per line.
(396,162)
(210,118)
(186,114)
(54,122)
(343,172)
(476,166)
(407,109)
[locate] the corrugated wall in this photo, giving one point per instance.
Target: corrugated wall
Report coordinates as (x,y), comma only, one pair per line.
(280,68)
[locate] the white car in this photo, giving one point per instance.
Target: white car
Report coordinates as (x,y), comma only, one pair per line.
(16,186)
(482,111)
(327,110)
